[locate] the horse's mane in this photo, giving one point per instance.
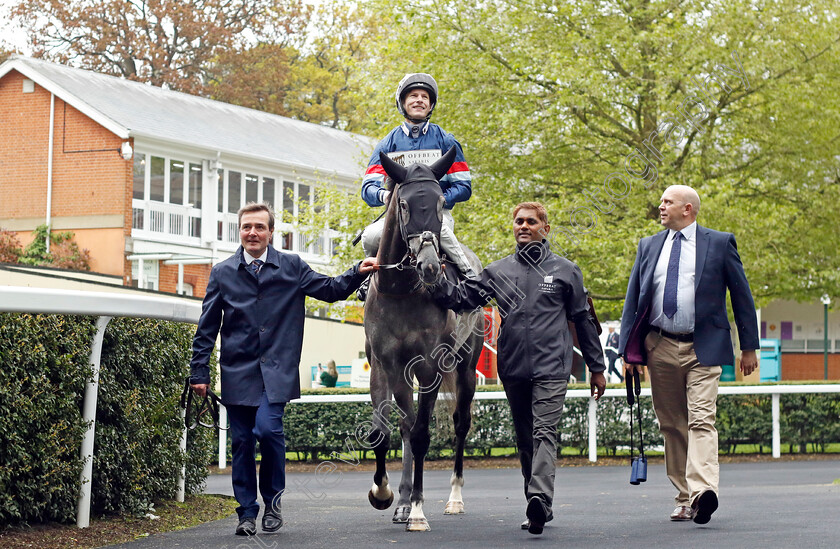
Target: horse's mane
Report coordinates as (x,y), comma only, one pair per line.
(389,183)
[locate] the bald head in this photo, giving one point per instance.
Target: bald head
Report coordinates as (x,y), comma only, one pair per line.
(679,207)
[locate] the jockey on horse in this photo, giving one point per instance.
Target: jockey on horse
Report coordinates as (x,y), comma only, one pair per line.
(425,142)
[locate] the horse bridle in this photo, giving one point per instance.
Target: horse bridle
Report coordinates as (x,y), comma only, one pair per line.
(427,238)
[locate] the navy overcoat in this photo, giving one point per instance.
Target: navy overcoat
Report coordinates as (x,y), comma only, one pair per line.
(261,321)
(717,269)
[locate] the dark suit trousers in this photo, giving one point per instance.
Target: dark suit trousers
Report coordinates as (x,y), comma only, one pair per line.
(536,408)
(249,424)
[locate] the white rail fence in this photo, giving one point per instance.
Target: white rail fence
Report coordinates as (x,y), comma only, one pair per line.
(774,390)
(108,305)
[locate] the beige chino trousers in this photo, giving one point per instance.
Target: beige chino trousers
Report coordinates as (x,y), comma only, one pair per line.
(685,401)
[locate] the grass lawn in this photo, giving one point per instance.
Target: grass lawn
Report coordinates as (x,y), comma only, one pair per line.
(110,530)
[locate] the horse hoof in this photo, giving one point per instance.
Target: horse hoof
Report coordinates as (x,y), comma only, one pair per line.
(454,508)
(380,504)
(417,525)
(401,514)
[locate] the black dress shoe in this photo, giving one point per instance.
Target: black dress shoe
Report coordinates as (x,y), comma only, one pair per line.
(525,524)
(536,514)
(703,507)
(247,527)
(272,521)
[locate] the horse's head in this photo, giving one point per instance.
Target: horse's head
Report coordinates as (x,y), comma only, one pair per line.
(420,201)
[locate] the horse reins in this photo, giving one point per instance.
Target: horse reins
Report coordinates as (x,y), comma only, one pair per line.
(210,403)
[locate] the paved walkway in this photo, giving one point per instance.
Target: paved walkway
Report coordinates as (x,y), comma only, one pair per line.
(763,505)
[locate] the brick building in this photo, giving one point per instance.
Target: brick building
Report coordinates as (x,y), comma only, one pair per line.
(149,179)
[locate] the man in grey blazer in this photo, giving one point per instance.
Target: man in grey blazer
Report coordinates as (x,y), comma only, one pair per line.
(675,322)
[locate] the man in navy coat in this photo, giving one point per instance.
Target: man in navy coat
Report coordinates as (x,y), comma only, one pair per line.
(256,297)
(675,322)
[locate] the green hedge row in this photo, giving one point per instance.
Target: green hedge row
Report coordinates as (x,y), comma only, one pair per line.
(337,430)
(43,369)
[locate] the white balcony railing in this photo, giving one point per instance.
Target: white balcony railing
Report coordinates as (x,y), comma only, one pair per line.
(172,222)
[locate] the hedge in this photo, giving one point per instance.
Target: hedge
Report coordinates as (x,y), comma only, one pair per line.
(43,369)
(329,430)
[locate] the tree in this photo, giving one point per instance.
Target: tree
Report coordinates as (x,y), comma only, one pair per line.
(312,69)
(258,76)
(328,81)
(559,102)
(163,42)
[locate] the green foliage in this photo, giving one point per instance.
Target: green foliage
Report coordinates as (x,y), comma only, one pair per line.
(549,98)
(9,247)
(136,453)
(337,431)
(743,419)
(138,429)
(64,253)
(45,363)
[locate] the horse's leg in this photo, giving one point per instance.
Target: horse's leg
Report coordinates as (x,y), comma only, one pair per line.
(462,419)
(380,496)
(403,395)
(420,439)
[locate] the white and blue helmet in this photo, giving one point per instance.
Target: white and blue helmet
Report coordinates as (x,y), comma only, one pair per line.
(413,81)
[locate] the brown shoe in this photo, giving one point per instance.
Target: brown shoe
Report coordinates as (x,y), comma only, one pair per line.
(682,512)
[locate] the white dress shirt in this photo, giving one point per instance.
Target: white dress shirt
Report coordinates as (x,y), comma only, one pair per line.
(250,259)
(683,320)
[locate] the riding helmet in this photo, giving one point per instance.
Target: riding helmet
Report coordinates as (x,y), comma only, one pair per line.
(413,81)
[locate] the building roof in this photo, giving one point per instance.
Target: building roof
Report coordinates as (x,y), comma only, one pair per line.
(134,109)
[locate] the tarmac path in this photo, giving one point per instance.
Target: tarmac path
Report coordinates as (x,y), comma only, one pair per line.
(792,504)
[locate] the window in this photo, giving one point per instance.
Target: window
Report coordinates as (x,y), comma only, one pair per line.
(251,188)
(194,199)
(176,182)
(139,176)
(234,191)
(268,192)
(221,187)
(288,200)
(158,173)
(150,275)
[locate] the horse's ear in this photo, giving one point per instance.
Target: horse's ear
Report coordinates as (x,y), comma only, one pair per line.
(443,163)
(393,169)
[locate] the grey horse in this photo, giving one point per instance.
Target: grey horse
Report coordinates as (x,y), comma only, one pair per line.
(410,340)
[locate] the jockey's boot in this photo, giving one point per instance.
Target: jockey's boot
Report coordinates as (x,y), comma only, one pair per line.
(469,273)
(361,293)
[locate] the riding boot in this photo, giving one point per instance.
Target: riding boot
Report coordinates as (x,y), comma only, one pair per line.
(361,293)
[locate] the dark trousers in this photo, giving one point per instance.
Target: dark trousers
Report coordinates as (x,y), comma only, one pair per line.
(536,407)
(611,358)
(249,424)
